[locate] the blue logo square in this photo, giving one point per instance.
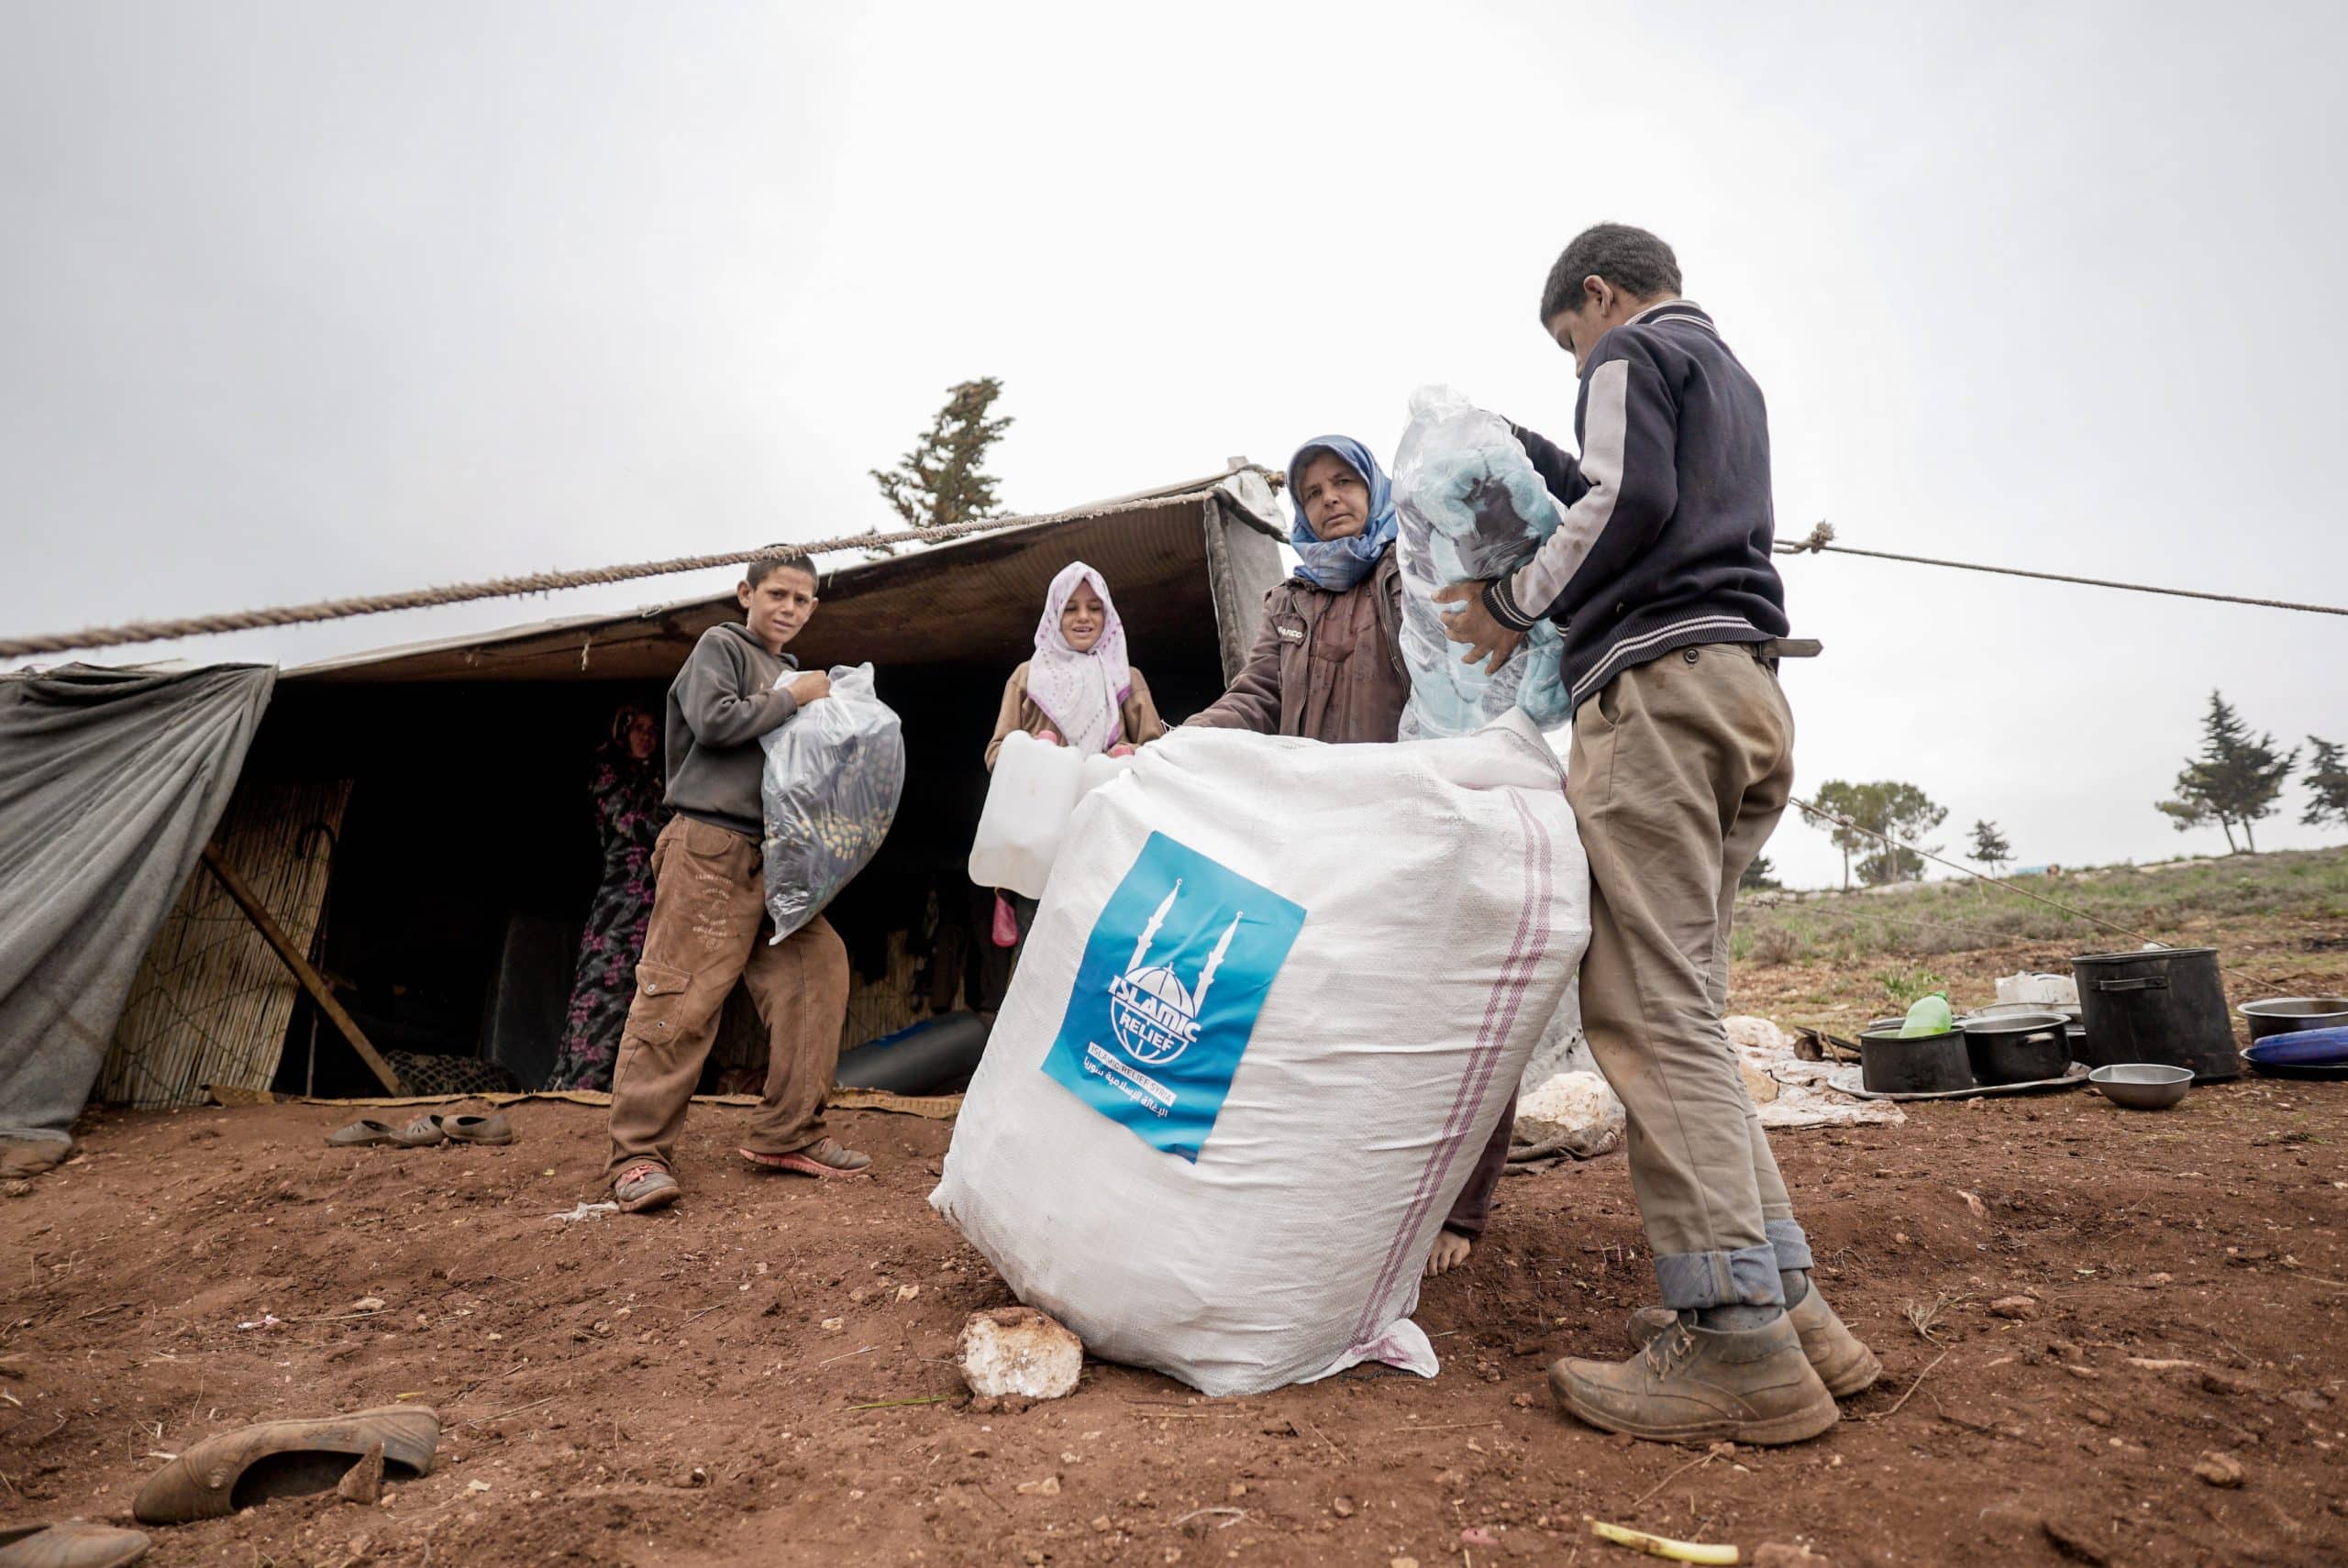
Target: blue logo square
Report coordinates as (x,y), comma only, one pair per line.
(1172,977)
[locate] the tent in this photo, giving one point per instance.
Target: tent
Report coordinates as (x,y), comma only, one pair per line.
(412,822)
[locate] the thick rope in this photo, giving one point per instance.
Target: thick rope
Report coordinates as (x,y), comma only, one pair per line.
(1821,538)
(2138,936)
(544,582)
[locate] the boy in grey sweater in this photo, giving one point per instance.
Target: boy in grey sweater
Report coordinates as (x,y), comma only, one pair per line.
(708,915)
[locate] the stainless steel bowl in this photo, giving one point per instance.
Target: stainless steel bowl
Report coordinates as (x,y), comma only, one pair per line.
(2284,1015)
(2142,1085)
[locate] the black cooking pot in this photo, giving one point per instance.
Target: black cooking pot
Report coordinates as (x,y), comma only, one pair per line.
(2017,1048)
(2163,1004)
(2289,1015)
(1930,1064)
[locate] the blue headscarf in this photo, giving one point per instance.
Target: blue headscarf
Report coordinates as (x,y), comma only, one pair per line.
(1339,564)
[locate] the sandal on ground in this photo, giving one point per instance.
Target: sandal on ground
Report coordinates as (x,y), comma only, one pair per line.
(489,1129)
(645,1186)
(424,1132)
(72,1544)
(286,1459)
(823,1159)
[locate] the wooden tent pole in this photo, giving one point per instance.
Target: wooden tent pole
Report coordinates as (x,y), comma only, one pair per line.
(312,981)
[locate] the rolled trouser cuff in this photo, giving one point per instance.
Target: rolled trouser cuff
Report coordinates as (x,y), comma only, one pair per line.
(1792,1247)
(1745,1277)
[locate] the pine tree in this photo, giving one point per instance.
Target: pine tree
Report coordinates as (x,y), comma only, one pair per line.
(2327,779)
(942,480)
(1989,845)
(1760,877)
(2234,782)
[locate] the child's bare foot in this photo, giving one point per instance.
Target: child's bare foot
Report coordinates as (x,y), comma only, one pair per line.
(1451,1250)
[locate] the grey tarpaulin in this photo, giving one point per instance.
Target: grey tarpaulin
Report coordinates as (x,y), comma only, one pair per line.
(111,782)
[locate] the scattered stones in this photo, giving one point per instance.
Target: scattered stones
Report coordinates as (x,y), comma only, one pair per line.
(2215,1380)
(2019,1308)
(1019,1351)
(1522,1401)
(2220,1469)
(1239,1489)
(1475,1535)
(2095,1416)
(833,1325)
(907,1292)
(1343,1507)
(2084,1373)
(363,1481)
(1049,1487)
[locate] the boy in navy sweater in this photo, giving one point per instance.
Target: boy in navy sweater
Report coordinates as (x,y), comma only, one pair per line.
(1660,576)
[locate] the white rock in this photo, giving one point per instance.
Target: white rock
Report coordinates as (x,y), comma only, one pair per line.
(1577,1108)
(1018,1351)
(1759,1035)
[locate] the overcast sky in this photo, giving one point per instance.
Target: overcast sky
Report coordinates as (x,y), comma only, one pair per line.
(303,299)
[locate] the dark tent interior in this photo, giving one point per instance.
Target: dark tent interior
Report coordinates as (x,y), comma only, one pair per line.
(466,855)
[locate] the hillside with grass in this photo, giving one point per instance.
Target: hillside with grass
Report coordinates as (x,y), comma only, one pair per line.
(2280,922)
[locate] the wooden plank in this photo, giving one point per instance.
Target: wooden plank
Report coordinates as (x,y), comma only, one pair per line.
(312,981)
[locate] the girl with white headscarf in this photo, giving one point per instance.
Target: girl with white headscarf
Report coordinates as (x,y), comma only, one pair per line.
(1079,691)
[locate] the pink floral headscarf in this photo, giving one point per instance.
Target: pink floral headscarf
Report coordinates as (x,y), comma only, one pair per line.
(1083,694)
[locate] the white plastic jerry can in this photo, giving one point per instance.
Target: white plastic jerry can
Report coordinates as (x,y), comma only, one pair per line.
(1098,770)
(1033,790)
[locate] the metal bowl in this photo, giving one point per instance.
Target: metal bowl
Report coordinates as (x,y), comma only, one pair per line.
(2142,1085)
(2289,1015)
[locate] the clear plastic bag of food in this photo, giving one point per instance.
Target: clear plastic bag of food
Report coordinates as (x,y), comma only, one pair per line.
(1472,508)
(833,777)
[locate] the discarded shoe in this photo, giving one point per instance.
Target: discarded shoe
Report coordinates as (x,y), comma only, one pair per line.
(823,1159)
(644,1188)
(72,1544)
(1841,1359)
(286,1459)
(491,1129)
(1695,1385)
(424,1132)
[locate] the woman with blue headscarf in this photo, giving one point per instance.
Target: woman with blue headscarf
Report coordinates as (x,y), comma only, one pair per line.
(1327,665)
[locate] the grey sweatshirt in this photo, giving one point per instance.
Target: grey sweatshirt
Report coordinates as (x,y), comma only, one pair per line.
(719,706)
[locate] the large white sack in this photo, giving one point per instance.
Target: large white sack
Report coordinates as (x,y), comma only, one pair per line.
(1240,1188)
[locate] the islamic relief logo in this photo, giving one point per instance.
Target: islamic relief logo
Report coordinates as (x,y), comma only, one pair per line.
(1156,1017)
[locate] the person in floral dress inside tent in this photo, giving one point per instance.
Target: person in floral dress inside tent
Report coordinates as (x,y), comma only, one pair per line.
(626,787)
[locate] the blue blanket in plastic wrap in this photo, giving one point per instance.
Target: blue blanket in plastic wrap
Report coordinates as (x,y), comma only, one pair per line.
(1472,509)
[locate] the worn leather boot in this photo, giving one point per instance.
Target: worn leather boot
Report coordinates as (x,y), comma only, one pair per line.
(72,1544)
(285,1459)
(1695,1385)
(1841,1360)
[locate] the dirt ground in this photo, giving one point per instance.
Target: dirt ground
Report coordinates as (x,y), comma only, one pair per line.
(685,1389)
(762,1375)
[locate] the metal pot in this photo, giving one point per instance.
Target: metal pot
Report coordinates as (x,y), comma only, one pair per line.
(2017,1048)
(2289,1015)
(2163,1004)
(1929,1063)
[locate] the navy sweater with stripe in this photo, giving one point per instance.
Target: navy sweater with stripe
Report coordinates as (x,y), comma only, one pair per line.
(1666,539)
